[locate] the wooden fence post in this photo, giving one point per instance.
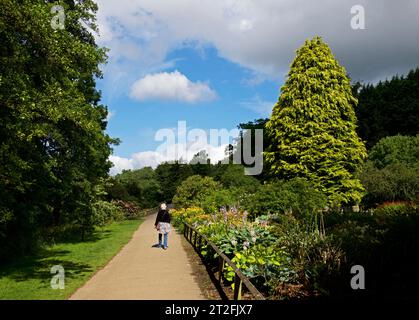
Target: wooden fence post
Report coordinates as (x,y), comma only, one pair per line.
(194,239)
(220,268)
(237,287)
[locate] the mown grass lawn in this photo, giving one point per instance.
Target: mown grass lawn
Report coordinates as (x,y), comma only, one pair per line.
(30,278)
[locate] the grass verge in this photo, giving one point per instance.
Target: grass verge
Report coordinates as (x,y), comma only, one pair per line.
(29,278)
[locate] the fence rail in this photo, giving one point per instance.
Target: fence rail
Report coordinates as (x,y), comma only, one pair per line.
(197,239)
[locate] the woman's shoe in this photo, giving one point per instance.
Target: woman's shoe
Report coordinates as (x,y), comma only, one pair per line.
(165,248)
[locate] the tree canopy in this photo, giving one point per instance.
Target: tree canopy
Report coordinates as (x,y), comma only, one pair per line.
(389,108)
(53,145)
(313,126)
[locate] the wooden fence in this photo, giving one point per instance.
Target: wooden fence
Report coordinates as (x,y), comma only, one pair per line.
(197,240)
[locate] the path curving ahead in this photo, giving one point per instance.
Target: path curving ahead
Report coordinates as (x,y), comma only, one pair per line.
(141,272)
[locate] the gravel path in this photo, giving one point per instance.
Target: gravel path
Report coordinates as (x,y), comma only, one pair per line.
(141,272)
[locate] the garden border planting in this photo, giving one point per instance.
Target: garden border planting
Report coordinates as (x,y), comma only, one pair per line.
(195,238)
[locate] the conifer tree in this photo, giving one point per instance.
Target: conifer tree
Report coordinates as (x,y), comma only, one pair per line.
(313,126)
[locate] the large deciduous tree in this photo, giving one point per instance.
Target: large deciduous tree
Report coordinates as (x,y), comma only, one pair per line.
(53,145)
(313,126)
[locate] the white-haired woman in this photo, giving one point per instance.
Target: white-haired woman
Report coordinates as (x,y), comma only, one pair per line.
(162,225)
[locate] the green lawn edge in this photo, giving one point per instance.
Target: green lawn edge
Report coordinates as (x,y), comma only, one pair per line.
(29,278)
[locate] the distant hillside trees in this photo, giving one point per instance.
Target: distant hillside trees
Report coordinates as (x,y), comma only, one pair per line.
(389,108)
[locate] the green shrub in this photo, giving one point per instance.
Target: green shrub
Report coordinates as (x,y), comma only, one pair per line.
(193,190)
(394,182)
(234,176)
(105,212)
(316,259)
(392,172)
(297,196)
(395,150)
(227,198)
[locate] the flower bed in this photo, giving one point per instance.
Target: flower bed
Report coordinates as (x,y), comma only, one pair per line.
(249,244)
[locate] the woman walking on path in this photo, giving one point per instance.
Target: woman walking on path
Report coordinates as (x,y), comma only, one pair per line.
(162,225)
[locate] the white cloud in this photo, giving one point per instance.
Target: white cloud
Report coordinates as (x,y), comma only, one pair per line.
(260,35)
(146,159)
(171,86)
(173,152)
(120,164)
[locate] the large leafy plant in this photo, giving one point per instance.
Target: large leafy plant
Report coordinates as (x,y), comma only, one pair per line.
(262,263)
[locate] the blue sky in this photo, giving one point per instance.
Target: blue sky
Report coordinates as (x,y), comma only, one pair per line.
(237,99)
(135,122)
(217,63)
